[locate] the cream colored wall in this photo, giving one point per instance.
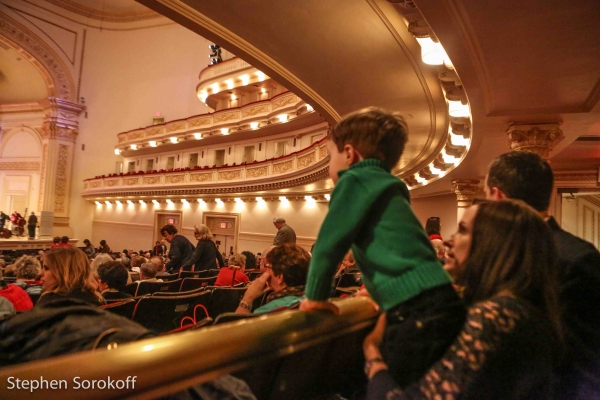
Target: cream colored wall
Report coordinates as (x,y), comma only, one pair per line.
(132,226)
(438,206)
(127,77)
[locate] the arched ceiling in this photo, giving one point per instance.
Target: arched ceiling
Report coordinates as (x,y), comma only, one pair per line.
(20,80)
(337,56)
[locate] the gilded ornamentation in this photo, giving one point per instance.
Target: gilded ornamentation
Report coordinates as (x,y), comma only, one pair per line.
(282,167)
(154,130)
(20,166)
(130,181)
(135,135)
(174,179)
(51,131)
(465,189)
(96,184)
(256,172)
(105,16)
(229,175)
(200,177)
(323,152)
(122,138)
(60,188)
(538,139)
(85,185)
(176,126)
(112,182)
(43,176)
(284,101)
(307,160)
(262,108)
(225,117)
(151,180)
(195,122)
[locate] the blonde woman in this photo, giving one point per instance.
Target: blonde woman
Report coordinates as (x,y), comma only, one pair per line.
(234,273)
(66,274)
(205,253)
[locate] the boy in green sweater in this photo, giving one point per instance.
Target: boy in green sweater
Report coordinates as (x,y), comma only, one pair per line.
(370,213)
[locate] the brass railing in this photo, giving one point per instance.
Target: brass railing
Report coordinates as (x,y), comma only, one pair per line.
(170,363)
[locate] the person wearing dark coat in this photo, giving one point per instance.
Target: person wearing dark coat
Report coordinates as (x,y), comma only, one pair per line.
(181,248)
(206,255)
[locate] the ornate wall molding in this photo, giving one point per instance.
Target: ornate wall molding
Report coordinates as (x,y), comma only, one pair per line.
(122,17)
(282,167)
(43,57)
(535,138)
(307,160)
(229,175)
(20,166)
(201,177)
(62,174)
(151,180)
(256,172)
(174,179)
(465,190)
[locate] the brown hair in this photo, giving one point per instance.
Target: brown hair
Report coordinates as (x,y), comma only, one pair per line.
(71,268)
(374,132)
(27,267)
(291,261)
(512,249)
(137,261)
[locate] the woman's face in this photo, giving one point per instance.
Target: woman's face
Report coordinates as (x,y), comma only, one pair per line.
(459,245)
(49,278)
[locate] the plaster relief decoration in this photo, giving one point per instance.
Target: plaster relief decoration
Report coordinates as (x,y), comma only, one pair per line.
(60,190)
(174,179)
(43,175)
(176,126)
(85,185)
(539,139)
(323,152)
(135,135)
(195,122)
(37,52)
(130,181)
(229,175)
(21,166)
(226,117)
(122,138)
(282,167)
(256,172)
(153,131)
(96,184)
(306,160)
(112,182)
(200,177)
(151,180)
(260,109)
(285,100)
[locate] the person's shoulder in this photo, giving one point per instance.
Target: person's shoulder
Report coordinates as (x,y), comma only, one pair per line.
(501,312)
(572,249)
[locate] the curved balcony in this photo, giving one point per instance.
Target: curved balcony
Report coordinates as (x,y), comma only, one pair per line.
(279,109)
(302,167)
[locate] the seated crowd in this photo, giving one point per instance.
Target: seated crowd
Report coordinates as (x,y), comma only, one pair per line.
(504,327)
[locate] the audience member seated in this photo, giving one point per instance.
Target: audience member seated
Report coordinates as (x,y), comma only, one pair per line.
(250,260)
(55,242)
(64,242)
(88,249)
(286,271)
(112,278)
(148,273)
(159,263)
(104,247)
(15,295)
(233,274)
(27,270)
(6,308)
(136,263)
(66,274)
(506,261)
(433,227)
(348,265)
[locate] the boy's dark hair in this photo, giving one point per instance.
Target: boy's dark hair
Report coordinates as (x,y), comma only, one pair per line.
(114,274)
(250,259)
(374,133)
(291,261)
(523,175)
(64,239)
(170,229)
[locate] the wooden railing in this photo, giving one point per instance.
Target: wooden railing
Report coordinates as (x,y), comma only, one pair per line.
(287,355)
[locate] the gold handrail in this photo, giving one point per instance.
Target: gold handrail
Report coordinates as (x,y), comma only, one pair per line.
(166,364)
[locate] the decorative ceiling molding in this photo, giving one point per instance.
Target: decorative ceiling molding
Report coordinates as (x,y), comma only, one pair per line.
(131,16)
(55,72)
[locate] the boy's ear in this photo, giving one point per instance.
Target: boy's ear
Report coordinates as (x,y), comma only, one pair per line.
(497,194)
(351,155)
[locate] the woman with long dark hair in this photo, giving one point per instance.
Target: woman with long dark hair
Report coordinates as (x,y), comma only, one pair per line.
(503,256)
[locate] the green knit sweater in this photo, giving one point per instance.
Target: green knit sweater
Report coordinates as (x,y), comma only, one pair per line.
(370,212)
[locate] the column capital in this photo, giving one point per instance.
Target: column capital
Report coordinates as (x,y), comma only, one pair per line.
(535,138)
(465,189)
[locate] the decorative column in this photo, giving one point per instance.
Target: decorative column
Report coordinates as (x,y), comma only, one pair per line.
(535,138)
(465,190)
(59,132)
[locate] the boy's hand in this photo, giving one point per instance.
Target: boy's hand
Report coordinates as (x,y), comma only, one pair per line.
(311,305)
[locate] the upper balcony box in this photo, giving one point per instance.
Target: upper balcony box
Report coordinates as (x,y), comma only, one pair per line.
(235,83)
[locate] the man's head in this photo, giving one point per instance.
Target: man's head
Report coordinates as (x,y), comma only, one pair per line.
(367,133)
(521,175)
(112,275)
(32,213)
(159,262)
(103,243)
(64,239)
(278,222)
(148,270)
(168,232)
